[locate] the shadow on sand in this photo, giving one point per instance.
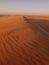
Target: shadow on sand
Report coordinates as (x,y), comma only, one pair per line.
(41,26)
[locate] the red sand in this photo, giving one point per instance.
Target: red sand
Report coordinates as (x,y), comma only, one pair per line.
(24,41)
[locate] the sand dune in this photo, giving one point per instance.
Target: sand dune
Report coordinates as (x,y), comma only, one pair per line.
(38,17)
(24,41)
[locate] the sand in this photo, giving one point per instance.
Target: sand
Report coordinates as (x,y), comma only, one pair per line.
(24,40)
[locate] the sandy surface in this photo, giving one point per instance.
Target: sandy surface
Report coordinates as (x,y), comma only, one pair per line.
(38,17)
(24,40)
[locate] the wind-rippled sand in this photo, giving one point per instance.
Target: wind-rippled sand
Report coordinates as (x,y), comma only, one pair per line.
(24,41)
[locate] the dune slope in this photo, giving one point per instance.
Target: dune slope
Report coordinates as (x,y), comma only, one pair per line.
(24,41)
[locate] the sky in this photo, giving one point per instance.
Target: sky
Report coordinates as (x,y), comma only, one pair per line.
(24,7)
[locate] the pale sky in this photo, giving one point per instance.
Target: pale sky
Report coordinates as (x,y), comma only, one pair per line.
(24,7)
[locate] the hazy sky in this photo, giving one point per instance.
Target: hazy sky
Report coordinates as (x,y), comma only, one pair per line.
(26,7)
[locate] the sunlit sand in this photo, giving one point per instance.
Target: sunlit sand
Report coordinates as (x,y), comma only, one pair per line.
(24,40)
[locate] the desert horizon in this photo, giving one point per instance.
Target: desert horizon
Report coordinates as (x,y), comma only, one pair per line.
(24,32)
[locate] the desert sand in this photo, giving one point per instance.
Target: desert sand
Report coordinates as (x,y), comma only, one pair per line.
(24,40)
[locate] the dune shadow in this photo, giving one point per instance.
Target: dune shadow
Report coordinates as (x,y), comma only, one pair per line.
(42,29)
(41,26)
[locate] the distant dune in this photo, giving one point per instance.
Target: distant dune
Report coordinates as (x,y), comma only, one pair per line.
(39,17)
(24,40)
